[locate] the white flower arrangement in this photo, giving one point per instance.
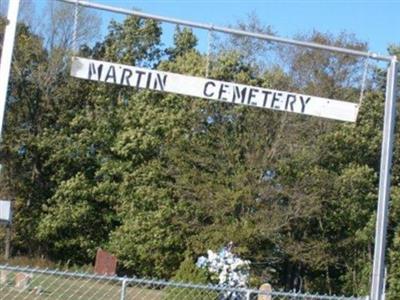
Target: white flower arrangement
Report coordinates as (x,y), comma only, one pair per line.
(227,268)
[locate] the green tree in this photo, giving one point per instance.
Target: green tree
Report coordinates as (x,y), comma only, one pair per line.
(184,41)
(86,148)
(393,289)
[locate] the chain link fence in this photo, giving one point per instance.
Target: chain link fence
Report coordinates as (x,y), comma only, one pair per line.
(32,283)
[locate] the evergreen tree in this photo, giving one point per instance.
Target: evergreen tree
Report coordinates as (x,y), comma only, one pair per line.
(184,41)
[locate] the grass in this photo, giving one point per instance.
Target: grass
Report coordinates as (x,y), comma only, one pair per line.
(51,287)
(58,287)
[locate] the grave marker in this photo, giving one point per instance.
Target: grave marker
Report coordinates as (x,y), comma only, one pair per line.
(106,263)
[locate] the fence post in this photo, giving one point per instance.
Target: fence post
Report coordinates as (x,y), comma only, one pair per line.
(248,295)
(123,289)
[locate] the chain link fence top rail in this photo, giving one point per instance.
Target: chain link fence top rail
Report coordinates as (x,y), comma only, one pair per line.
(32,283)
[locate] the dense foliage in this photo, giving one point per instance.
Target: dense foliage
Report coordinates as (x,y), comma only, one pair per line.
(158,179)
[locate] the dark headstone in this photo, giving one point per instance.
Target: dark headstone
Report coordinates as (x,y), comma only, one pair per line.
(106,263)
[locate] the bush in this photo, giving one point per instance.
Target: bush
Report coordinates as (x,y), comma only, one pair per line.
(188,272)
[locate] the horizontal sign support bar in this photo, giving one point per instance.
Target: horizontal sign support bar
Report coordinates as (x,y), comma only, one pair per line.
(213,89)
(229,30)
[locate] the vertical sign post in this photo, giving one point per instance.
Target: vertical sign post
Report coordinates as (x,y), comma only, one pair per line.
(8,242)
(6,55)
(5,66)
(378,273)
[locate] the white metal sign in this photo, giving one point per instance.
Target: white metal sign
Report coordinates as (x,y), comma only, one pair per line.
(213,89)
(5,211)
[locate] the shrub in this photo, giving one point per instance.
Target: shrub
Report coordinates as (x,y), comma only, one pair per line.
(188,272)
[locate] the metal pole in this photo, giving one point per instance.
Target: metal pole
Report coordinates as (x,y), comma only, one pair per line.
(8,242)
(75,32)
(378,273)
(6,55)
(123,289)
(229,30)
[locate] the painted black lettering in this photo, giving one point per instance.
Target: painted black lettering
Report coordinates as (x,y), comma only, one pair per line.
(94,71)
(276,99)
(149,75)
(288,98)
(205,92)
(266,94)
(111,75)
(292,104)
(160,82)
(126,75)
(239,94)
(252,94)
(222,90)
(139,77)
(304,102)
